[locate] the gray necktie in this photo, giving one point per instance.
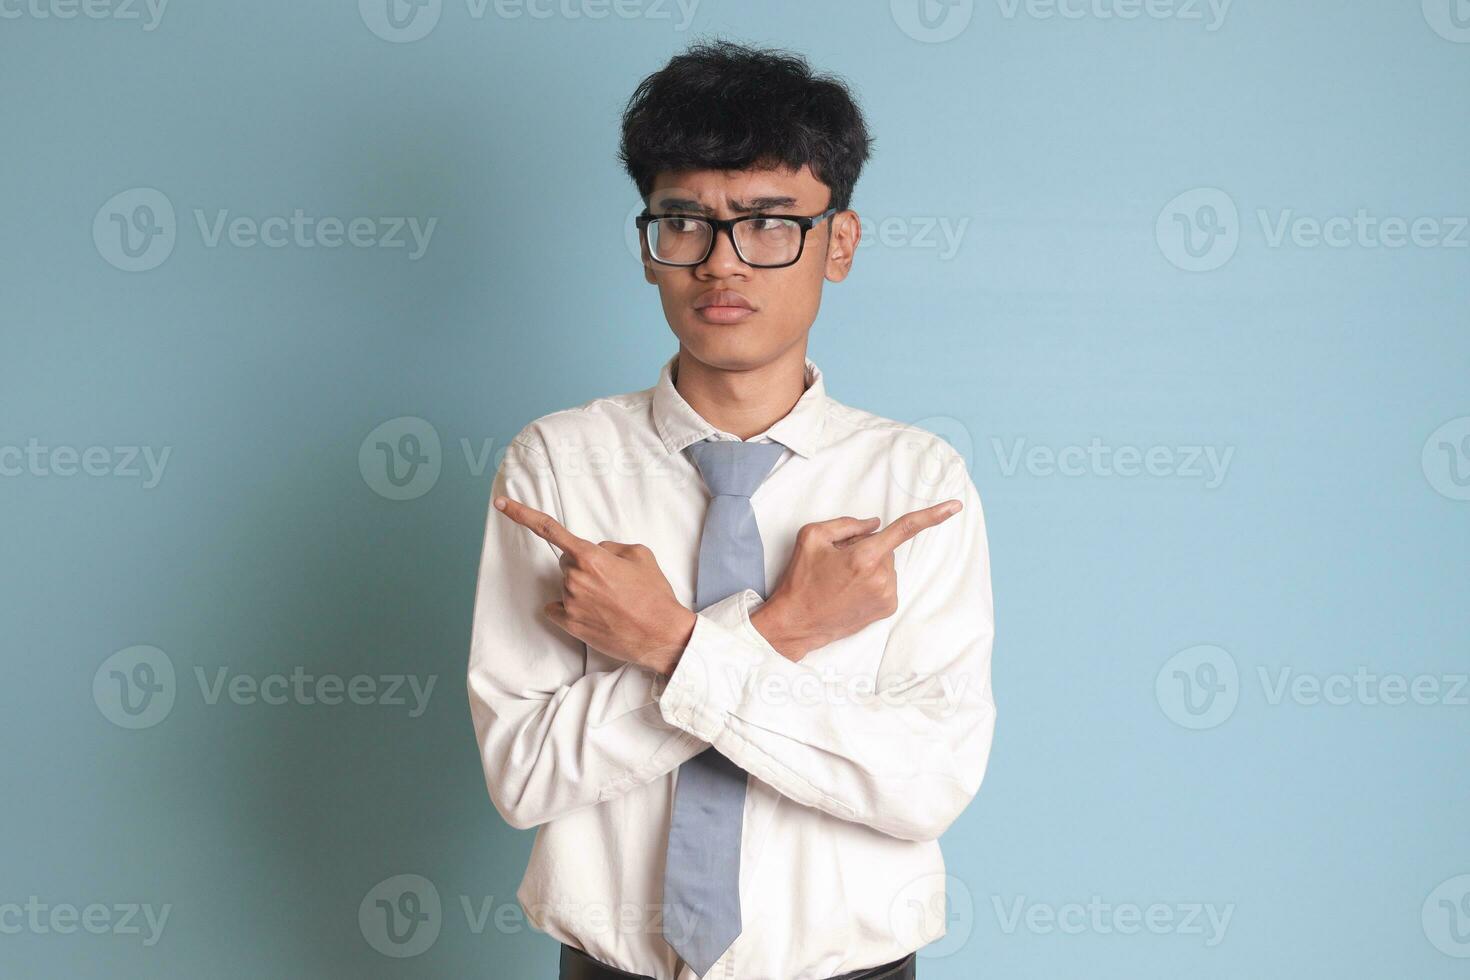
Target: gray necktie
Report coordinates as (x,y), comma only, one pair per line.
(702,871)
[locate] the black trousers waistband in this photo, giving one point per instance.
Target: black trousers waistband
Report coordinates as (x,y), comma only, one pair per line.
(577,965)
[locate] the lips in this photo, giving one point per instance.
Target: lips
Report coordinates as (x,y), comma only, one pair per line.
(723,298)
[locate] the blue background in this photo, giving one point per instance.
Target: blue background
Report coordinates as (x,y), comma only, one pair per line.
(1062,316)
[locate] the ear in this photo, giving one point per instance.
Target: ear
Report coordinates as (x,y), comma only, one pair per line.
(845,231)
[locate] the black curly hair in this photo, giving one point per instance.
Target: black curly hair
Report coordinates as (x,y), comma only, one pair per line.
(721,105)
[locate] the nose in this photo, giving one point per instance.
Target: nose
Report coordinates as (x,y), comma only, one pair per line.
(722,256)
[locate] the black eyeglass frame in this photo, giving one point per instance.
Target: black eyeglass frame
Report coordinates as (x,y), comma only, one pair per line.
(804,221)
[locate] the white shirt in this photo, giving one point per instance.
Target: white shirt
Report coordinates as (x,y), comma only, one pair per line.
(859,756)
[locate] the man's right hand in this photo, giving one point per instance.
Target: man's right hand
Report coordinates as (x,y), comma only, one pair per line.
(840,578)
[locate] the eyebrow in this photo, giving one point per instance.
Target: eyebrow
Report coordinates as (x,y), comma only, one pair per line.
(755,204)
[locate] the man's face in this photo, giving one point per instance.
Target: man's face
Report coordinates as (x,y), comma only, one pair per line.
(782,302)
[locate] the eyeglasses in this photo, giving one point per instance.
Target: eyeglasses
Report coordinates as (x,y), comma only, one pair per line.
(763,241)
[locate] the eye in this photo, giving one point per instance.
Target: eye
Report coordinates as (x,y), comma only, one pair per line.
(761,224)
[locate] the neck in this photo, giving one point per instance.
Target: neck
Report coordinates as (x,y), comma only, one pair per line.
(742,402)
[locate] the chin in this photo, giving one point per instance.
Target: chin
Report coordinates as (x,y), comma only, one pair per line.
(730,348)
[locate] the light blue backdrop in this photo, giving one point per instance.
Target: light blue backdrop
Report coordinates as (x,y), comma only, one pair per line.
(1187,284)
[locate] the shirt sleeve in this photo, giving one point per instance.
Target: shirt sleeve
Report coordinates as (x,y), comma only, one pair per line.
(903,752)
(553,738)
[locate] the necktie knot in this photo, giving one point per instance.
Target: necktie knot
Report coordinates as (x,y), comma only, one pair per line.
(734,468)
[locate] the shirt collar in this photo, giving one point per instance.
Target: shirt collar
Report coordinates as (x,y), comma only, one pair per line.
(679,424)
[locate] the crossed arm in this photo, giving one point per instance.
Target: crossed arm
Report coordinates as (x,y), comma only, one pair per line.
(903,753)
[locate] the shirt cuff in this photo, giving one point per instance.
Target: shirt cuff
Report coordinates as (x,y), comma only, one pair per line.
(709,681)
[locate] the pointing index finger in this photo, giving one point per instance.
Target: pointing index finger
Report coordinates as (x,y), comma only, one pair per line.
(543,525)
(910,524)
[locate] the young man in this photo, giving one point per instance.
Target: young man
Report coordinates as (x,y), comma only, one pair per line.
(732,780)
